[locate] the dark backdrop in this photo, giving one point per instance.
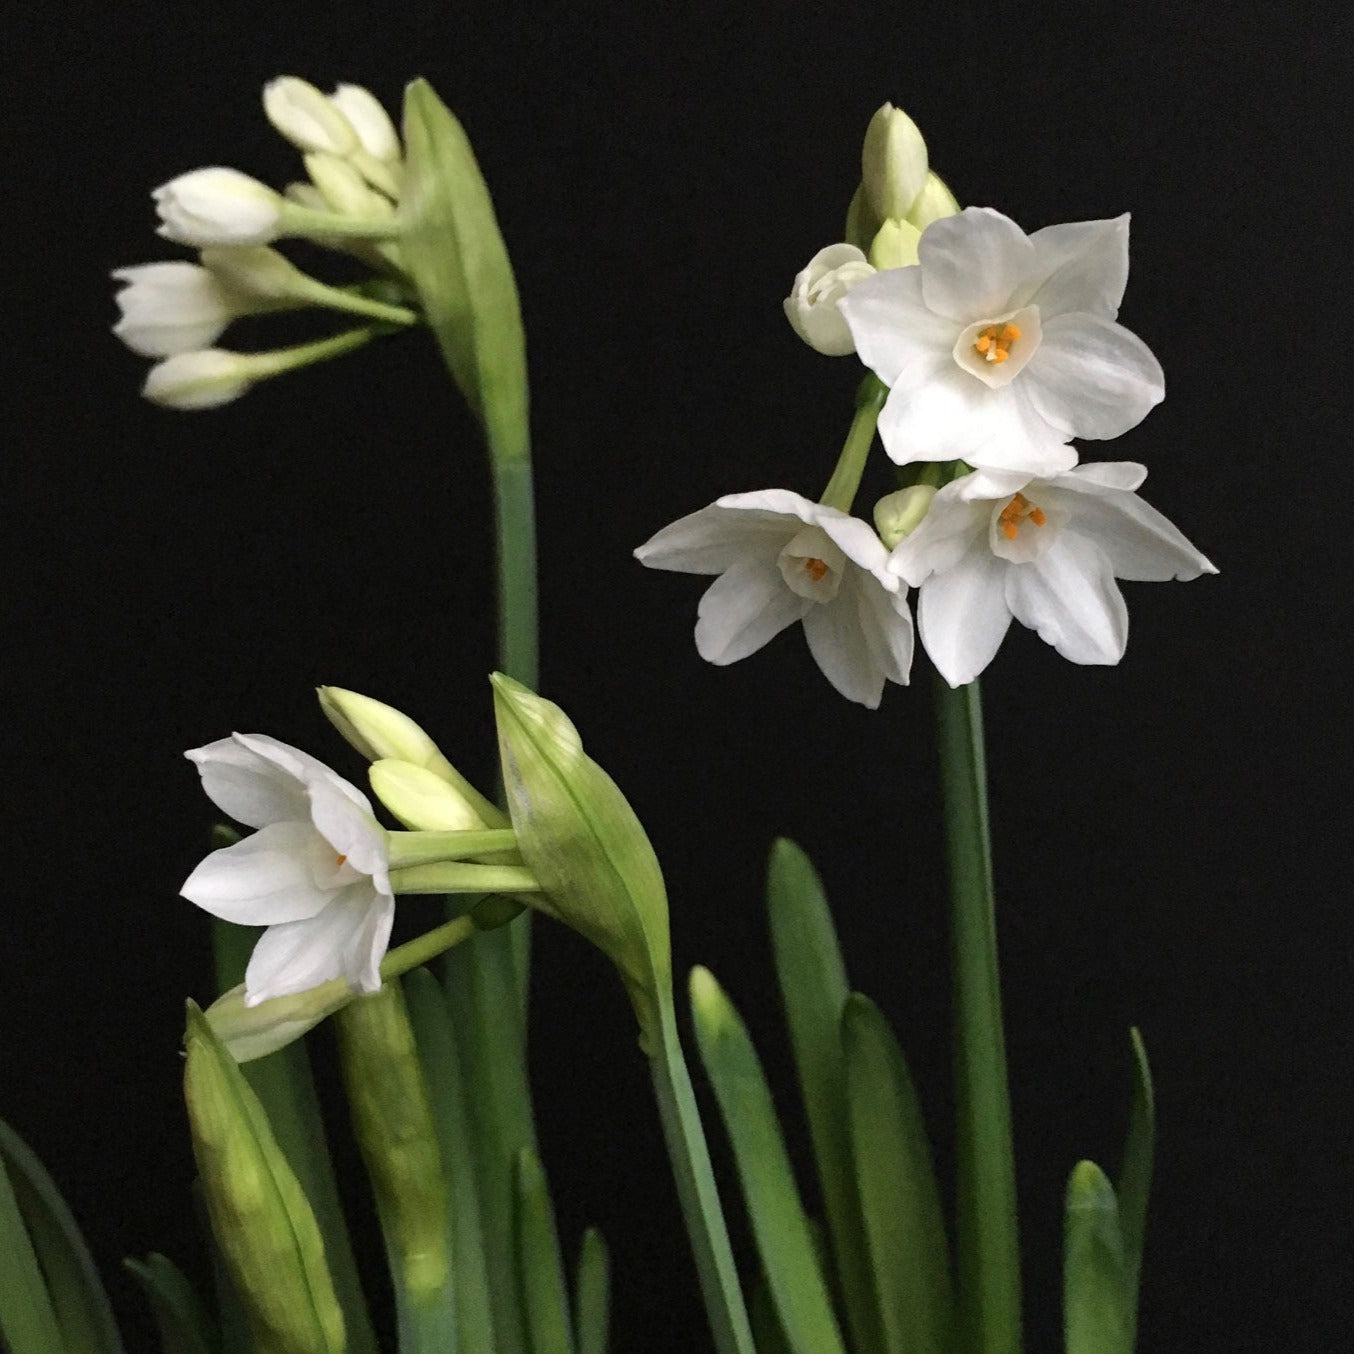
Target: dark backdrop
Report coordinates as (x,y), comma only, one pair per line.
(1170,834)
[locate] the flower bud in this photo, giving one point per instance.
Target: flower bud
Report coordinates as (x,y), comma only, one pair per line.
(263,1224)
(369,120)
(377,730)
(934,202)
(811,306)
(198,380)
(893,162)
(423,801)
(583,842)
(307,118)
(900,513)
(393,1124)
(218,206)
(250,1032)
(344,190)
(255,271)
(171,308)
(894,245)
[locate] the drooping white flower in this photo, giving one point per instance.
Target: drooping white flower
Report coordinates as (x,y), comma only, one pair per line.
(172,307)
(996,545)
(781,559)
(202,379)
(812,305)
(218,206)
(315,873)
(369,120)
(1000,347)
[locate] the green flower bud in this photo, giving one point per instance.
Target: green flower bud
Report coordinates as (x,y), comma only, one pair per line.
(344,188)
(424,801)
(393,1123)
(250,1032)
(894,245)
(584,844)
(892,162)
(260,1217)
(933,202)
(900,513)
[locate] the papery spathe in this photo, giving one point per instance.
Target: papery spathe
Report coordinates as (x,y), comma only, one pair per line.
(812,305)
(994,546)
(1000,347)
(315,873)
(781,559)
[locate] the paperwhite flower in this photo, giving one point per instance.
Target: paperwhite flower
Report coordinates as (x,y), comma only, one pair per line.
(218,206)
(997,545)
(369,120)
(201,379)
(811,306)
(780,559)
(172,307)
(315,873)
(1000,347)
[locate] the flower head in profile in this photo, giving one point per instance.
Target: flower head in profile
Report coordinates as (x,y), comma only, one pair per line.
(1000,347)
(781,559)
(315,873)
(812,305)
(1045,551)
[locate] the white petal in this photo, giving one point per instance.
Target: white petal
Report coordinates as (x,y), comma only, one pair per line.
(1082,265)
(743,609)
(1068,595)
(307,769)
(252,789)
(1100,475)
(711,540)
(896,335)
(347,940)
(266,878)
(1139,542)
(886,622)
(351,830)
(839,647)
(1092,377)
(973,263)
(951,528)
(963,617)
(857,540)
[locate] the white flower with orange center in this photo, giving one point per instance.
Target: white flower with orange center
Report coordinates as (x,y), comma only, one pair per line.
(316,873)
(997,545)
(781,559)
(999,348)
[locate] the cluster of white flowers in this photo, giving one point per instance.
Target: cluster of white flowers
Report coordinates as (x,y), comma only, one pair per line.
(998,348)
(176,310)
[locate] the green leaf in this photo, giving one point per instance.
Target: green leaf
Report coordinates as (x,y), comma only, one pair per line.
(592,1294)
(285,1086)
(784,1241)
(27,1322)
(179,1314)
(1094,1315)
(766,1331)
(540,1276)
(77,1293)
(453,250)
(814,989)
(1135,1176)
(900,1201)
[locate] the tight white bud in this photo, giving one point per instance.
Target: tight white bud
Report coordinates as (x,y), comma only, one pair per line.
(255,271)
(218,206)
(307,118)
(895,245)
(934,202)
(899,514)
(198,380)
(812,305)
(893,162)
(369,120)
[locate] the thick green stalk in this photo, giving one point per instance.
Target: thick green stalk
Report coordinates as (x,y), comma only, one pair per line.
(841,488)
(690,1156)
(987,1247)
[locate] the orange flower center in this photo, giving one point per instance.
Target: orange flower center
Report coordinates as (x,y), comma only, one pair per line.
(815,568)
(994,342)
(1019,510)
(341,859)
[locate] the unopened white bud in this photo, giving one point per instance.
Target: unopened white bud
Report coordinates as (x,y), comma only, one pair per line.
(812,305)
(369,120)
(218,206)
(255,271)
(893,162)
(198,380)
(344,190)
(899,514)
(171,308)
(308,119)
(934,202)
(895,245)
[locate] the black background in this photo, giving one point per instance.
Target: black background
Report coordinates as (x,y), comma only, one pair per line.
(1170,834)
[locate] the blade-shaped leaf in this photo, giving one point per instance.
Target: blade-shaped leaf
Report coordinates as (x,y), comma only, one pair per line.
(77,1293)
(1135,1175)
(784,1242)
(179,1314)
(27,1321)
(592,1294)
(540,1277)
(900,1202)
(813,988)
(1094,1316)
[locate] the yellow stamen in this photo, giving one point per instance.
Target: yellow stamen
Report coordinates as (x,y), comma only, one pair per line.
(993,343)
(341,859)
(815,568)
(1019,510)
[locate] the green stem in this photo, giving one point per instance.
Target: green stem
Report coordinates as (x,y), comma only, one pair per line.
(454,876)
(281,360)
(311,221)
(841,488)
(988,1277)
(425,848)
(690,1157)
(313,292)
(407,957)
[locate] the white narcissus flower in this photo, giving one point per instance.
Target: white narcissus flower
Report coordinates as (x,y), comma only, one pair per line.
(811,306)
(172,307)
(997,545)
(315,873)
(1000,347)
(781,559)
(218,206)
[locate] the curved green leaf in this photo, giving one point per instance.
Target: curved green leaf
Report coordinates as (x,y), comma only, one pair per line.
(592,1294)
(540,1277)
(179,1314)
(1135,1175)
(27,1321)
